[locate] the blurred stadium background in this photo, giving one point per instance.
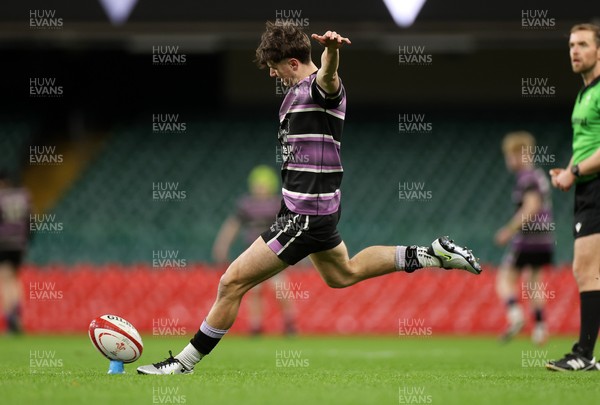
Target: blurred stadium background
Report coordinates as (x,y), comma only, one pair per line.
(189,65)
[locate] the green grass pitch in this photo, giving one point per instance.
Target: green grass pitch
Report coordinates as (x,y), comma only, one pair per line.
(301,370)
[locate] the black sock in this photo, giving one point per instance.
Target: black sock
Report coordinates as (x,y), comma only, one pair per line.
(511,301)
(411,259)
(207,338)
(13,319)
(538,313)
(590,321)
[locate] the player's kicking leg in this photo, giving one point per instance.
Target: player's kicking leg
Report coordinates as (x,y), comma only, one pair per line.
(259,262)
(252,267)
(339,270)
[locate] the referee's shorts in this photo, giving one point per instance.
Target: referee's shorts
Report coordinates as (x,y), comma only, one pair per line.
(293,236)
(587,208)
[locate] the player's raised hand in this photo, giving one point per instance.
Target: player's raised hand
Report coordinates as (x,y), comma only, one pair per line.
(331,39)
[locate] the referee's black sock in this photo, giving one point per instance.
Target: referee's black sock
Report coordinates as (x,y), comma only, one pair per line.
(590,321)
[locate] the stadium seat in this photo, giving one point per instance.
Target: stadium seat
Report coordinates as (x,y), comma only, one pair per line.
(109,214)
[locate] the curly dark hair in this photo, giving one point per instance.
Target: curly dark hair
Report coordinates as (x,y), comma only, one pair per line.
(280,41)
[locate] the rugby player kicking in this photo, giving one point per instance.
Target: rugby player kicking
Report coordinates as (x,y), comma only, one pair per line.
(311,120)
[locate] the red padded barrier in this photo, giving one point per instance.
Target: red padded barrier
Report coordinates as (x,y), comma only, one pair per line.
(66,299)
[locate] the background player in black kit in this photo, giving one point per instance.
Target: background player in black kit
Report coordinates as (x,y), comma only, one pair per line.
(255,212)
(529,234)
(14,237)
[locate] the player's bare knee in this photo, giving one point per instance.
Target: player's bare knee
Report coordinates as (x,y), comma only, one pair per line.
(230,285)
(584,274)
(337,271)
(340,281)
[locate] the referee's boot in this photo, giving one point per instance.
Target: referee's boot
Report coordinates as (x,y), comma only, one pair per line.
(574,361)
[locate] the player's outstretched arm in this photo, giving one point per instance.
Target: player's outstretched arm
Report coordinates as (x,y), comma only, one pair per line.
(327,77)
(225,238)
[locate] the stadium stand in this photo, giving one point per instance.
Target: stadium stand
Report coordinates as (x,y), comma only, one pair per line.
(112,226)
(109,214)
(61,300)
(15,138)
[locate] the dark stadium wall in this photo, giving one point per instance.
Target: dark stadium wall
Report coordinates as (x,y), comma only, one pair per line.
(485,78)
(108,85)
(111,85)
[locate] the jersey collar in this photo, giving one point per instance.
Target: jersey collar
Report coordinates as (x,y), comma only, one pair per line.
(589,86)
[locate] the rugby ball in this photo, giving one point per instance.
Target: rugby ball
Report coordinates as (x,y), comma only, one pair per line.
(116,338)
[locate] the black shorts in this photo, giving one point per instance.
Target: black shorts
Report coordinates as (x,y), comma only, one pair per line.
(587,208)
(293,236)
(14,257)
(519,259)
